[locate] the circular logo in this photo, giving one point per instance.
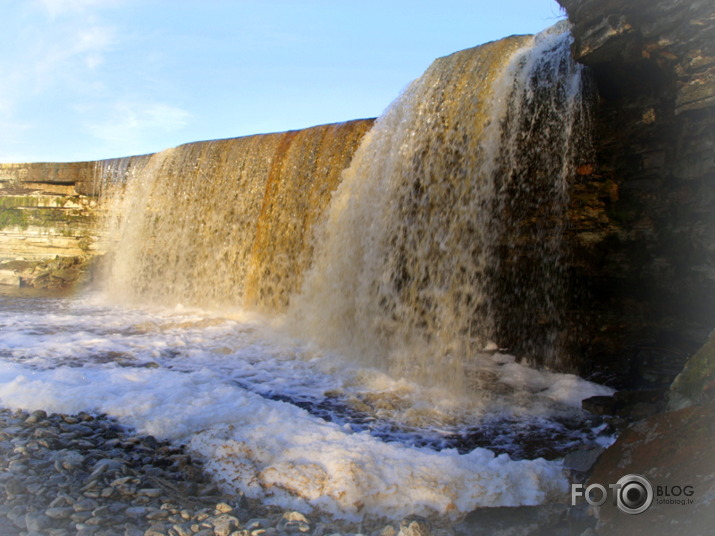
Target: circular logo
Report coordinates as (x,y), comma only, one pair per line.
(634,495)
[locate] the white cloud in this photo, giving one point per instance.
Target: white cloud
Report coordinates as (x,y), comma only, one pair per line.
(70,49)
(59,7)
(134,121)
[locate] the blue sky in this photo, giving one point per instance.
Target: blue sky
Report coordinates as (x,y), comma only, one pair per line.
(91,79)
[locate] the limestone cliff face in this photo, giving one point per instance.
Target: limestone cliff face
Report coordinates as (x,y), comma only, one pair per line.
(49,209)
(43,211)
(643,217)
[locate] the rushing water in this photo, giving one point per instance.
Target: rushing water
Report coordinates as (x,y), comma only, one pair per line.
(463,174)
(287,422)
(368,383)
(221,223)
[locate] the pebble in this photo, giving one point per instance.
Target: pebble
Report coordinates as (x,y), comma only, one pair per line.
(86,475)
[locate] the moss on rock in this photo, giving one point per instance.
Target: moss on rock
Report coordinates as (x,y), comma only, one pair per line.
(697,378)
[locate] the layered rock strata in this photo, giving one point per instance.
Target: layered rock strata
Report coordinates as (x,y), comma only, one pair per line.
(642,223)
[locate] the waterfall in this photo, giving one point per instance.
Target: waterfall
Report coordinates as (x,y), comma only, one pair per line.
(223,223)
(543,135)
(441,238)
(417,269)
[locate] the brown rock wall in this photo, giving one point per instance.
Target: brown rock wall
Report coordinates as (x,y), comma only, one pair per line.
(642,224)
(49,210)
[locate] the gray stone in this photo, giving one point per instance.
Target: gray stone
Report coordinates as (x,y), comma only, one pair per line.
(224,524)
(257,523)
(61,512)
(37,521)
(182,529)
(149,492)
(137,511)
(81,517)
(155,531)
(582,460)
(158,515)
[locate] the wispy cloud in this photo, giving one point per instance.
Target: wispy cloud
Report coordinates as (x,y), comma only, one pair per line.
(59,77)
(133,121)
(68,48)
(59,7)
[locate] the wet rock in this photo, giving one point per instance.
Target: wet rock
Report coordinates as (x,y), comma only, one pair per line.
(150,492)
(514,521)
(260,523)
(643,211)
(224,508)
(59,512)
(697,380)
(294,522)
(600,405)
(671,450)
(155,531)
(578,463)
(123,484)
(223,524)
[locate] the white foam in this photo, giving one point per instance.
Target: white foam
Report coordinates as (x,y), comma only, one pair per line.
(280,453)
(207,386)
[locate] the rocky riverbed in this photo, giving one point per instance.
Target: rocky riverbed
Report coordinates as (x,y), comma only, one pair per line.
(83,474)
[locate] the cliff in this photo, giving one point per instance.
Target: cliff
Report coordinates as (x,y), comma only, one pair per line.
(644,235)
(643,216)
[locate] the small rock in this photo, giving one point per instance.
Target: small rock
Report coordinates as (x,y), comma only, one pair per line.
(295,516)
(85,505)
(137,511)
(224,508)
(182,529)
(132,530)
(81,517)
(388,530)
(37,521)
(96,521)
(258,523)
(59,512)
(149,492)
(414,526)
(36,416)
(223,524)
(158,515)
(155,531)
